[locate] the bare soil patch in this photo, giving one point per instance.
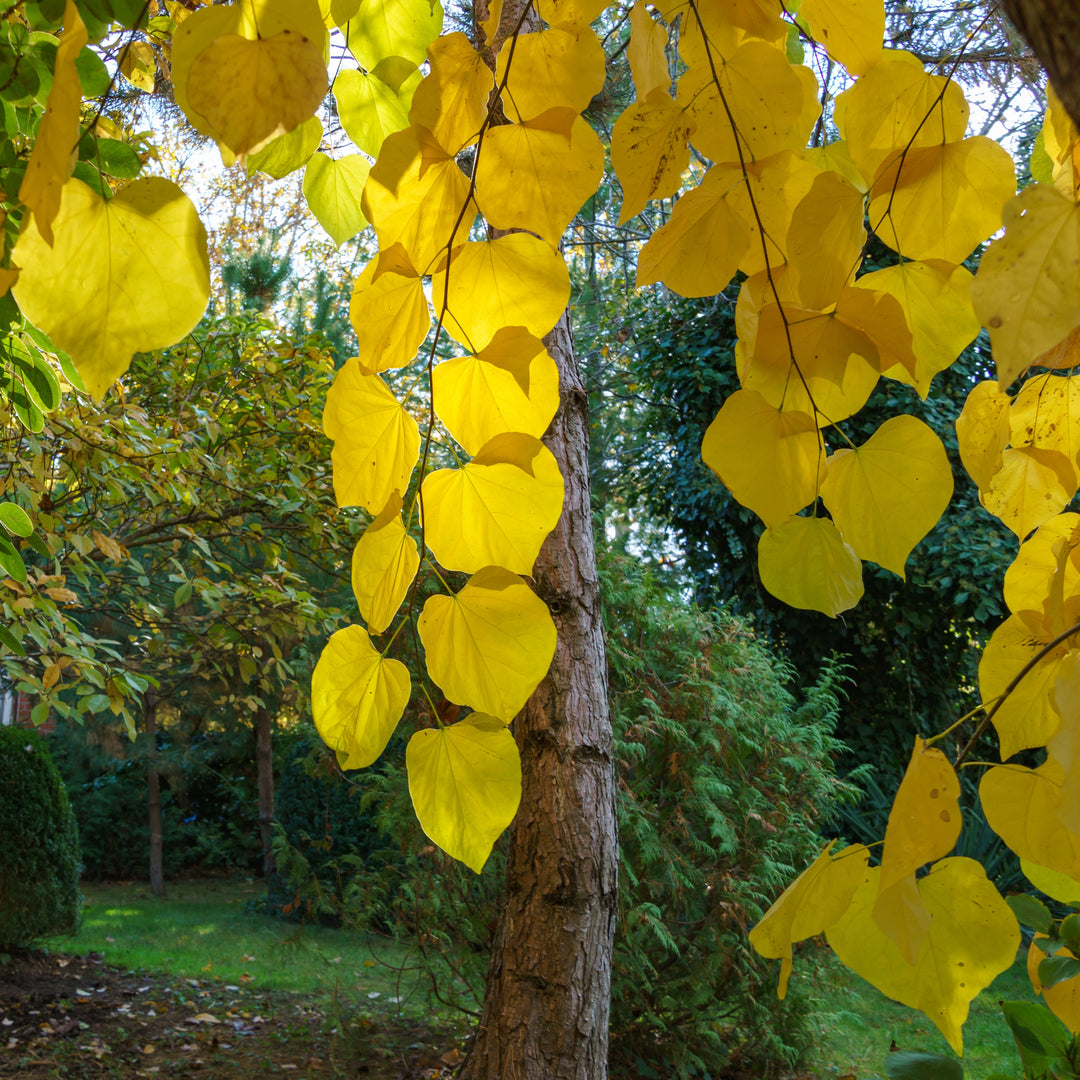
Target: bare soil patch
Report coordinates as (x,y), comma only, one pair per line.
(67,1017)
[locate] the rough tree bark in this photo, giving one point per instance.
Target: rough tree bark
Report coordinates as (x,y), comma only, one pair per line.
(1052,29)
(264,767)
(153,787)
(547,1000)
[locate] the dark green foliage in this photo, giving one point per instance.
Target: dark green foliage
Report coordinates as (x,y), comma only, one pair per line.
(722,778)
(325,834)
(208,801)
(39,844)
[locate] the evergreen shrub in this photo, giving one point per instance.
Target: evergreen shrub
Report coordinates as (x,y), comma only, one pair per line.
(722,778)
(39,844)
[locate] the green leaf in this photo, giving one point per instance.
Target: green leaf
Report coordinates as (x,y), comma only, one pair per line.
(182,594)
(116,158)
(1056,969)
(1041,1037)
(1031,912)
(919,1065)
(15,519)
(93,74)
(8,639)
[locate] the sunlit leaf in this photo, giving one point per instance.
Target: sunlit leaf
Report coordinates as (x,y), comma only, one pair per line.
(973,938)
(384,564)
(551,69)
(391,317)
(850,30)
(357,696)
(887,494)
(537,175)
(384,28)
(982,431)
(649,150)
(647,52)
(815,900)
(1030,488)
(489,646)
(80,290)
(497,510)
(940,202)
(245,93)
(806,563)
(1047,564)
(452,102)
(1027,291)
(369,109)
(783,471)
(288,152)
(465,783)
(376,442)
(697,250)
(512,385)
(515,280)
(1046,414)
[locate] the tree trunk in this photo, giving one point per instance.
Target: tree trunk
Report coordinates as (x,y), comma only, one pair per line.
(264,766)
(153,787)
(546,1005)
(1052,29)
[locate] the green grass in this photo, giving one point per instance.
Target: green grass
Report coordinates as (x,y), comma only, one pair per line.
(201,930)
(858,1024)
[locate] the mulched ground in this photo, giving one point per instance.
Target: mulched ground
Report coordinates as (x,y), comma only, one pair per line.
(74,1018)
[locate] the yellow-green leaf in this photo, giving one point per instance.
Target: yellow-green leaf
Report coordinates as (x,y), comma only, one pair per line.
(806,563)
(357,696)
(333,189)
(973,938)
(289,152)
(512,385)
(245,93)
(383,28)
(1027,291)
(370,111)
(80,290)
(515,280)
(815,900)
(771,461)
(887,494)
(384,564)
(376,442)
(489,646)
(465,783)
(495,511)
(53,155)
(390,315)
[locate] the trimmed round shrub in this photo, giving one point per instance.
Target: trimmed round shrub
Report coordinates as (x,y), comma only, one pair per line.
(39,853)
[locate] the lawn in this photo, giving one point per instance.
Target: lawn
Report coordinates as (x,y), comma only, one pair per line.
(203,930)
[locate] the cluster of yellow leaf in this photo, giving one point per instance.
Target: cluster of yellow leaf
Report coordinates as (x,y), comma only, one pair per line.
(813,338)
(534,161)
(933,943)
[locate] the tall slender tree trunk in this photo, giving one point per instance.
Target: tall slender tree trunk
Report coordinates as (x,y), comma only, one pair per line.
(264,767)
(547,1001)
(153,787)
(1052,29)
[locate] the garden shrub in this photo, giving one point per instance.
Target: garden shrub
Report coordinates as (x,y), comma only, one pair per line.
(722,777)
(39,844)
(325,834)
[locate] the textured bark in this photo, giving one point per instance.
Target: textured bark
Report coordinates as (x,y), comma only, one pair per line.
(547,1000)
(1052,29)
(153,787)
(264,767)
